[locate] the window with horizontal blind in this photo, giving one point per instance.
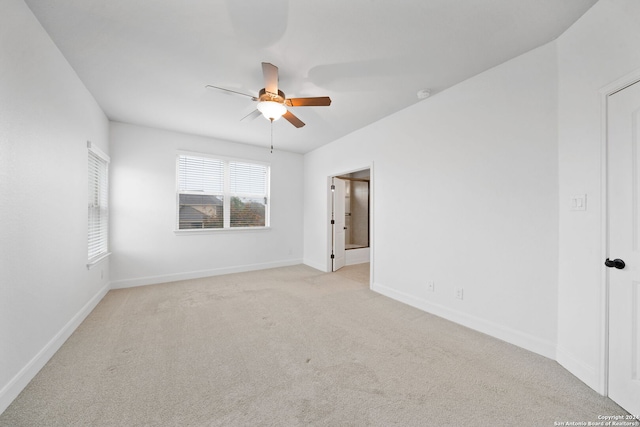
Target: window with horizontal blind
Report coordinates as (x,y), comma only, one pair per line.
(219,193)
(98,205)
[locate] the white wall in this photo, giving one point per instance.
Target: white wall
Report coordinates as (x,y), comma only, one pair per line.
(46,118)
(357,256)
(464,189)
(143,211)
(597,50)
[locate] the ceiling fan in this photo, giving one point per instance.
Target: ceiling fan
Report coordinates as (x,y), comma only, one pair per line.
(272,102)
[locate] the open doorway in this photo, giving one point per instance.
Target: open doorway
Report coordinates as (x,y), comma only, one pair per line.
(351,218)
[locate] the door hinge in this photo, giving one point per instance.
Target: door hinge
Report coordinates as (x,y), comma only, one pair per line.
(332,256)
(332,222)
(333,187)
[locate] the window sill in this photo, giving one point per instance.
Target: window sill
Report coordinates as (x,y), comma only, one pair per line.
(95,261)
(220,230)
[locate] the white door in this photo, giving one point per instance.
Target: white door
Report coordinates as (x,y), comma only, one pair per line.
(339,224)
(624,243)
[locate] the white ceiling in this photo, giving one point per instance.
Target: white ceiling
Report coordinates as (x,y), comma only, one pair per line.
(147,61)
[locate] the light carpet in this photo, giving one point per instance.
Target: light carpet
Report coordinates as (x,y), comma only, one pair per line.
(291,346)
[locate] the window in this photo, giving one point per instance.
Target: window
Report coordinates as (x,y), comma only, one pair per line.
(217,193)
(98,205)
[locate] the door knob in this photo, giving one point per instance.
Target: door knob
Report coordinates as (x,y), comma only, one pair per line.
(616,263)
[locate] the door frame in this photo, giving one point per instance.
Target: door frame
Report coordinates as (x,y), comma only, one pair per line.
(329,233)
(604,93)
(335,224)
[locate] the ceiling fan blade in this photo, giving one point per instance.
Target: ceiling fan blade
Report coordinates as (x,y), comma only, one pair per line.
(318,101)
(232,91)
(252,115)
(270,73)
(293,119)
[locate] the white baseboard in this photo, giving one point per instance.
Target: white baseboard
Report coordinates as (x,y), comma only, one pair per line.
(357,256)
(512,336)
(13,388)
(154,280)
(586,373)
(317,266)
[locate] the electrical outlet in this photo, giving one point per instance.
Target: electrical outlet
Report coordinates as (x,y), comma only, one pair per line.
(431,287)
(459,293)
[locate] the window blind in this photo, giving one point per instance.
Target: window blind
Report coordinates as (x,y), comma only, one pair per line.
(200,174)
(219,193)
(98,207)
(248,187)
(248,179)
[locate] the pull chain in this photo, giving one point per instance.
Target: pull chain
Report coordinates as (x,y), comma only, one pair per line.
(271,120)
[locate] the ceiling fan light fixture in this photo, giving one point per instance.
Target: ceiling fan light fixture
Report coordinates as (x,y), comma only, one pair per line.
(271,110)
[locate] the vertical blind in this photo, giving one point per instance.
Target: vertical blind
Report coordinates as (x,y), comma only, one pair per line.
(98,207)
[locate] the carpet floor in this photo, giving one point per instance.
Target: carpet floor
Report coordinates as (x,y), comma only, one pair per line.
(291,346)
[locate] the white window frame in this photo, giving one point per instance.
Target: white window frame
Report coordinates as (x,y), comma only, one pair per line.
(98,189)
(227,194)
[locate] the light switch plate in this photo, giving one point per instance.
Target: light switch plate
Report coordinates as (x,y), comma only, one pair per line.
(578,202)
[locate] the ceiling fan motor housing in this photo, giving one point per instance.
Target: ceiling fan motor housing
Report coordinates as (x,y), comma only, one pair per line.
(263,95)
